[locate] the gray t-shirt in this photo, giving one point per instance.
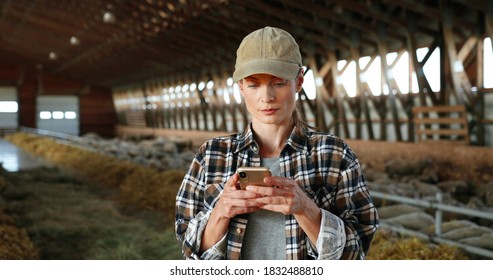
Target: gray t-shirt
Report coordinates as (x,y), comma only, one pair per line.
(265,237)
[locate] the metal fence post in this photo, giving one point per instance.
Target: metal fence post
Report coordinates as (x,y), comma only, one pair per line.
(438,215)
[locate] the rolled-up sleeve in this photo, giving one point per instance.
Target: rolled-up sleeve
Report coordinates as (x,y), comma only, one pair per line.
(192,238)
(331,238)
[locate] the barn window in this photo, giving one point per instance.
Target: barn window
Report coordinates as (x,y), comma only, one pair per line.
(8,107)
(373,74)
(401,73)
(348,76)
(57,115)
(309,85)
(201,86)
(431,68)
(45,115)
(70,115)
(236,93)
(488,63)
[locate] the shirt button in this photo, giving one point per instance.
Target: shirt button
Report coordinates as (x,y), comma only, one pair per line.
(238,230)
(255,148)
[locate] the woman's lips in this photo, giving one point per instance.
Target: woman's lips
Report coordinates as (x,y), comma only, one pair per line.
(269,111)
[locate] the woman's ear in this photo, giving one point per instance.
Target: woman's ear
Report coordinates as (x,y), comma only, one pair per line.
(299,81)
(240,86)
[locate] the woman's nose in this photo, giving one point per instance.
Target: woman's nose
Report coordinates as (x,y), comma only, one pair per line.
(267,94)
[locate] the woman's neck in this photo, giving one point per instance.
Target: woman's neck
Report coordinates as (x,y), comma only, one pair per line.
(271,138)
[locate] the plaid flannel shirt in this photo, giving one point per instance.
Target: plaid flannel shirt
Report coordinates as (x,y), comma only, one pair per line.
(322,164)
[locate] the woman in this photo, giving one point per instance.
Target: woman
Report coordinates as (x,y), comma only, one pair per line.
(320,207)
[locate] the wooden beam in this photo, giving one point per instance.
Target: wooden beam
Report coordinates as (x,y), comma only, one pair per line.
(423,84)
(231,108)
(373,11)
(204,108)
(479,5)
(468,47)
(261,8)
(429,11)
(382,49)
(320,11)
(218,103)
(362,95)
(339,91)
(461,84)
(489,22)
(321,95)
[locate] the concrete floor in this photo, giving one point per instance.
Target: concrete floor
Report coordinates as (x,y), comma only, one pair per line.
(14,159)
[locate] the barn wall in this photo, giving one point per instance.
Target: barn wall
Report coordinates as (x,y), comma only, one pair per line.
(96,112)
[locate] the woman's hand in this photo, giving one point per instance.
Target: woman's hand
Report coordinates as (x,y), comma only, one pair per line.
(288,198)
(234,201)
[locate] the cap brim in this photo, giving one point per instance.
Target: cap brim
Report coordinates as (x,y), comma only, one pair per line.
(281,69)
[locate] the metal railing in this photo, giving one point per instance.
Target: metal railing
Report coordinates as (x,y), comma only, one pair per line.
(7,130)
(438,208)
(63,138)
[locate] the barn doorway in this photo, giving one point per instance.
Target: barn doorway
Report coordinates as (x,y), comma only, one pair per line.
(9,110)
(58,113)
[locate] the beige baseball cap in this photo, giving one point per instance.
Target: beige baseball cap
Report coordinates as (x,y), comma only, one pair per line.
(269,50)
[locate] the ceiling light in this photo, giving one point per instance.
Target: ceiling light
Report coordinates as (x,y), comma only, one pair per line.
(109,17)
(53,56)
(74,41)
(338,9)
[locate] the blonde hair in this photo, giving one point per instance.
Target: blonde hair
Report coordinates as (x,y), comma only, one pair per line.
(299,119)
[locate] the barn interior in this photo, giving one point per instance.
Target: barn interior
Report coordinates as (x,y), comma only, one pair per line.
(117,96)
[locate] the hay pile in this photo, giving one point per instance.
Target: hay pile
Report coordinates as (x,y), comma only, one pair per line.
(390,246)
(15,243)
(67,219)
(145,187)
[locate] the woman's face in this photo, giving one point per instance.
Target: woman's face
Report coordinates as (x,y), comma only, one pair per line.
(270,99)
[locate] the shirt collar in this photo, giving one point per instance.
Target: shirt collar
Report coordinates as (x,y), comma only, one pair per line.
(298,139)
(246,140)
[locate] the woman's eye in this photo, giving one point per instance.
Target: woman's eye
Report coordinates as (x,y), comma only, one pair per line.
(280,84)
(252,85)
